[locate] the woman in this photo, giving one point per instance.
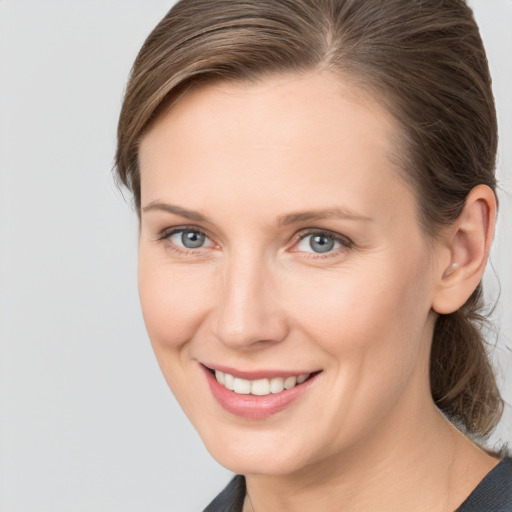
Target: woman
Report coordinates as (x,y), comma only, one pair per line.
(316,193)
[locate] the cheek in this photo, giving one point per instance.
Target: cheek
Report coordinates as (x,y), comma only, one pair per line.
(172,301)
(372,325)
(354,309)
(173,307)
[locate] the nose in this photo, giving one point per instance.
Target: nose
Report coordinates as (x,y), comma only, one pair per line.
(248,313)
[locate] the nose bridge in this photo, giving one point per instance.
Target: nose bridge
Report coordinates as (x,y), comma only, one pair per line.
(246,312)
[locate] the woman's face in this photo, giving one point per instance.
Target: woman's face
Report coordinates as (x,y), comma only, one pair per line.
(277,242)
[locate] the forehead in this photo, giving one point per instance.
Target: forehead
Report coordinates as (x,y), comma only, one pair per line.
(295,135)
(294,99)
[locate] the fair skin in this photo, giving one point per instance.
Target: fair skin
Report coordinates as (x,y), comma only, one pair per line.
(277,237)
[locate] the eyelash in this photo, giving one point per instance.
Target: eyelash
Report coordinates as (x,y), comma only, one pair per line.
(166,235)
(344,242)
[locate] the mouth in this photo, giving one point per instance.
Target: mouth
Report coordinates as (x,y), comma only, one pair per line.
(257,395)
(262,386)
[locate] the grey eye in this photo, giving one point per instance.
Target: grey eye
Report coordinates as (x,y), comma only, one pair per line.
(318,243)
(188,238)
(321,243)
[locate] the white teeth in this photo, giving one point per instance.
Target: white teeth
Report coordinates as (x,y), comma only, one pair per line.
(301,378)
(259,387)
(276,385)
(242,386)
(290,382)
(219,376)
(229,381)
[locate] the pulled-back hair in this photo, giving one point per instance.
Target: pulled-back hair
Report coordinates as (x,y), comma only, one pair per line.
(423,59)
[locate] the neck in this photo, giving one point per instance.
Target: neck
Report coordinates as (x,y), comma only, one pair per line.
(414,466)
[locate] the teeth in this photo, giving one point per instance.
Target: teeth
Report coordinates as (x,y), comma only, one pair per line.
(242,387)
(301,378)
(260,387)
(229,381)
(276,385)
(219,376)
(289,382)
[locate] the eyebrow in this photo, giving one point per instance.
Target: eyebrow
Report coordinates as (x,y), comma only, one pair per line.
(283,220)
(314,215)
(177,210)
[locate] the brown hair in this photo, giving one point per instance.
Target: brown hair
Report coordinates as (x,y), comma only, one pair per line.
(426,62)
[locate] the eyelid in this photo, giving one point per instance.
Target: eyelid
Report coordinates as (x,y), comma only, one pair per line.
(165,237)
(343,239)
(345,242)
(169,231)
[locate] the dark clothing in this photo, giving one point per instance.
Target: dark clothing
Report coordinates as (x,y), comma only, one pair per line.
(493,493)
(231,499)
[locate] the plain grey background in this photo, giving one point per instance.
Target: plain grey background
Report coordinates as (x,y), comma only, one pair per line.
(87,423)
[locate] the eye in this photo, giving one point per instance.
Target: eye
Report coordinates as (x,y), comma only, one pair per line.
(189,238)
(321,242)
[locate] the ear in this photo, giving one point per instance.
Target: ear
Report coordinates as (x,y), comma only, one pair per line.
(465,249)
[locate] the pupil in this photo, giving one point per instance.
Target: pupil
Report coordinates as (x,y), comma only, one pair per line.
(192,239)
(321,243)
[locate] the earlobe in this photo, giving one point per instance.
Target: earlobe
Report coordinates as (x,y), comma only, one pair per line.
(467,242)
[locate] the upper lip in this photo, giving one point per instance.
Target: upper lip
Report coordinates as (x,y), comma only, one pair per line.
(257,374)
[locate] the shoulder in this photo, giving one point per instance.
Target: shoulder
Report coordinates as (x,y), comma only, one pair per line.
(231,499)
(494,493)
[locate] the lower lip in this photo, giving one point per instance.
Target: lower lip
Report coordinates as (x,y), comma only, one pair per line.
(252,406)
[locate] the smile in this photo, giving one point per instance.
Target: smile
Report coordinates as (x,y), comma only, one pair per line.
(259,387)
(257,395)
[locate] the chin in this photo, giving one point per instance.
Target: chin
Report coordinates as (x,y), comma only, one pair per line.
(254,454)
(256,464)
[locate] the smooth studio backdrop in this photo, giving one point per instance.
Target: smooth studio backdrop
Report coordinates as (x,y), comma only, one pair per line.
(87,423)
